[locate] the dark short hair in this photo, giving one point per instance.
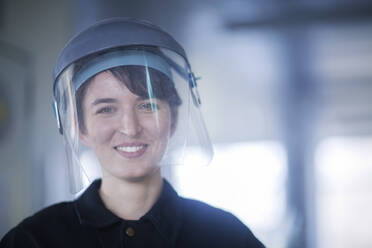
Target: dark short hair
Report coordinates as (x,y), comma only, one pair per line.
(134,78)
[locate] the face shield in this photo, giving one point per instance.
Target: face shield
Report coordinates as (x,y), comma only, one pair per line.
(126,112)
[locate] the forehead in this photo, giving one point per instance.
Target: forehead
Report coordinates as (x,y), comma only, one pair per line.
(104,84)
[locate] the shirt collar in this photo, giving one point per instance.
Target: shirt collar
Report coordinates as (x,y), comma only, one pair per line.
(90,209)
(165,214)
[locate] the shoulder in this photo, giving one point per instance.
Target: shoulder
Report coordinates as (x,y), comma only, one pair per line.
(58,213)
(203,212)
(220,226)
(57,218)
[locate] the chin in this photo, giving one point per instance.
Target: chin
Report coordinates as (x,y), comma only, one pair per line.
(137,174)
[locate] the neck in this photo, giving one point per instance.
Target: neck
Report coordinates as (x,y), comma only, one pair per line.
(130,200)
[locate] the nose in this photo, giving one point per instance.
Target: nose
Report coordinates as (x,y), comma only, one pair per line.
(130,124)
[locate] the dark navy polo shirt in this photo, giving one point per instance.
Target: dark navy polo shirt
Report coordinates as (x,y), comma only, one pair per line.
(173,221)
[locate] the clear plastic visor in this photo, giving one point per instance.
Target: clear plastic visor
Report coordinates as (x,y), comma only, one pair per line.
(126,113)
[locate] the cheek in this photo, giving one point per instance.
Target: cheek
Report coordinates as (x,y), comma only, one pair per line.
(158,126)
(101,133)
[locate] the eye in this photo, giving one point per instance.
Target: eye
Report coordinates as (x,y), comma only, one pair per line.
(149,106)
(106,110)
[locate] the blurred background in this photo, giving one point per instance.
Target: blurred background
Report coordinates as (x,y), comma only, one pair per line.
(287,97)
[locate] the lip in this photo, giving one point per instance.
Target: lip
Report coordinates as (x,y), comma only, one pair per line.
(134,154)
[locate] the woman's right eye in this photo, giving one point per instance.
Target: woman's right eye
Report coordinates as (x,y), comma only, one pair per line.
(106,110)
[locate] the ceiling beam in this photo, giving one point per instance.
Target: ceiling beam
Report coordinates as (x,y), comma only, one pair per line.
(296,15)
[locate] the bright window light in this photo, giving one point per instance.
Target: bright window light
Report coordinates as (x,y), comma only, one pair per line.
(247,179)
(344,192)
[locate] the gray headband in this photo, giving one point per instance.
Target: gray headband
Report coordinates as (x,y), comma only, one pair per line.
(121,58)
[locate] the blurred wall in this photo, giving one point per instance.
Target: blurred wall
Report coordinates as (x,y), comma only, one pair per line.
(31,35)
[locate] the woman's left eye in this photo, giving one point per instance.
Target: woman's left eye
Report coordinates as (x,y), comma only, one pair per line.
(149,106)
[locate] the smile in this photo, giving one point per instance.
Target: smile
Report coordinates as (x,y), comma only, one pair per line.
(130,148)
(131,151)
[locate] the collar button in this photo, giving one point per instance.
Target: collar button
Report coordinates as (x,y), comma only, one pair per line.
(130,232)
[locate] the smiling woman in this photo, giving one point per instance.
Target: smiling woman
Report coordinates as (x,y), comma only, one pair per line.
(127,101)
(130,101)
(128,132)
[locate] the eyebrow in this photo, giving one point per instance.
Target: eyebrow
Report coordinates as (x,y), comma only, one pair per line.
(141,98)
(104,100)
(113,100)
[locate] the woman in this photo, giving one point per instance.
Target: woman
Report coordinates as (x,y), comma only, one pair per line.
(126,103)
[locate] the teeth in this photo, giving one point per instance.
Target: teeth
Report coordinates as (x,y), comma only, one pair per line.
(129,148)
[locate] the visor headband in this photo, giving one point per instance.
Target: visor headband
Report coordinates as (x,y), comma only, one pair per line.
(120,58)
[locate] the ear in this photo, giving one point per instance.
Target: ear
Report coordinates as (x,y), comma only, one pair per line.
(84,138)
